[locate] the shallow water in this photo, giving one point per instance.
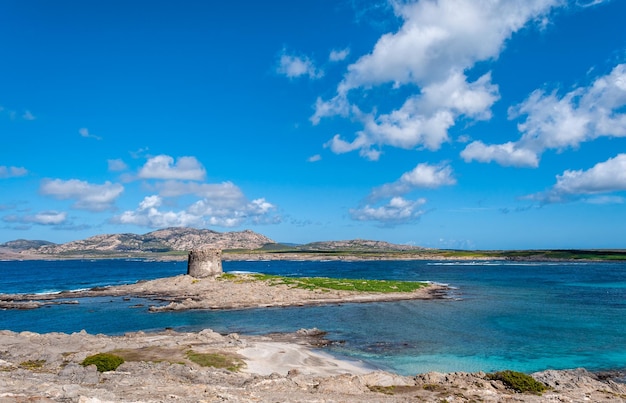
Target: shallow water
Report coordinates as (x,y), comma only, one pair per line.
(502,315)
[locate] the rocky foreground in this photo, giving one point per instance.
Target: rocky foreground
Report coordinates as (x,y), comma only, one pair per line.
(47,368)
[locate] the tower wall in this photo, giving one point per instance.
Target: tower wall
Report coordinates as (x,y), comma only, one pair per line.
(204,263)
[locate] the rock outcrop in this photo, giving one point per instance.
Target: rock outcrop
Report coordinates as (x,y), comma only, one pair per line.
(47,368)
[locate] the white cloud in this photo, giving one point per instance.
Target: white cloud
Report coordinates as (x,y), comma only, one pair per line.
(507,154)
(48,218)
(605,177)
(436,43)
(218,191)
(553,122)
(314,158)
(422,176)
(12,172)
(297,66)
(164,167)
(41,218)
(210,211)
(117,165)
(28,116)
(88,196)
(84,132)
(149,215)
(397,211)
(338,55)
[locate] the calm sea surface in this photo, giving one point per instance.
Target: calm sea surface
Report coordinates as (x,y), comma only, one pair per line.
(501,315)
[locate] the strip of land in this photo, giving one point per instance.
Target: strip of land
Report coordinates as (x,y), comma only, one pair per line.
(240,291)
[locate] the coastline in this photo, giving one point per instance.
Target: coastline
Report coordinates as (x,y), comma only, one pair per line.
(184,292)
(46,368)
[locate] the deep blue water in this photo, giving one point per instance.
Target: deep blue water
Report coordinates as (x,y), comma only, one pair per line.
(502,315)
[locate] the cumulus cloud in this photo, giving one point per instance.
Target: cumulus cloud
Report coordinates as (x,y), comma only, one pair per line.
(28,116)
(397,211)
(605,177)
(164,167)
(209,211)
(338,55)
(296,66)
(507,154)
(88,196)
(554,122)
(12,172)
(181,181)
(422,176)
(436,43)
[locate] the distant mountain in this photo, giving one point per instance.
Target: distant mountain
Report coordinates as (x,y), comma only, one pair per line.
(164,240)
(183,240)
(23,244)
(357,245)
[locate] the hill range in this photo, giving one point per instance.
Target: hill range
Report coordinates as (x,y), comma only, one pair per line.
(175,243)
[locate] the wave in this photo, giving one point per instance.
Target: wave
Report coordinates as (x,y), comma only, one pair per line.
(506,263)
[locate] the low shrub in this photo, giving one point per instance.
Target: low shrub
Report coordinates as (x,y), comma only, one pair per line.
(104,361)
(518,381)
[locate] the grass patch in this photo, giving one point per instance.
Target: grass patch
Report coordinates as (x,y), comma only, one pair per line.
(325,283)
(518,381)
(151,354)
(216,360)
(33,365)
(104,361)
(386,390)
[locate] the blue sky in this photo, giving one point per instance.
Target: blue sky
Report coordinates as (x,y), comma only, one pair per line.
(449,124)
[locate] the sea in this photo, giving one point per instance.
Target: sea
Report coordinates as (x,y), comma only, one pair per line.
(523,316)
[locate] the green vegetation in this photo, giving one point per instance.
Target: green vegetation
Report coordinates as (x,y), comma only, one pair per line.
(216,360)
(33,364)
(518,381)
(324,283)
(104,361)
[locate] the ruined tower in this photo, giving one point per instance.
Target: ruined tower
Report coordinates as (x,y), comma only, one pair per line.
(204,263)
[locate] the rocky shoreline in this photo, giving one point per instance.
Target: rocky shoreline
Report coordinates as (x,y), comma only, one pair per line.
(185,292)
(47,368)
(280,367)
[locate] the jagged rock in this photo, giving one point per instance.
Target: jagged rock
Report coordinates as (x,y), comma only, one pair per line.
(78,374)
(386,379)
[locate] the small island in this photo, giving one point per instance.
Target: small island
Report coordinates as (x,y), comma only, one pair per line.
(210,288)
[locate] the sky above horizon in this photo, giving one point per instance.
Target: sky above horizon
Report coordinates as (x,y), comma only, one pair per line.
(464,124)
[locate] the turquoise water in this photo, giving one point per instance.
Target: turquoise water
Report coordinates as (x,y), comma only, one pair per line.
(500,315)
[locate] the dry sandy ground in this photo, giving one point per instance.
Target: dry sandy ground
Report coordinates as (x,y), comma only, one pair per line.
(46,368)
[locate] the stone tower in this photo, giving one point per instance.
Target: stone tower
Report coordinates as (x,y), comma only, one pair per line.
(204,263)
